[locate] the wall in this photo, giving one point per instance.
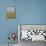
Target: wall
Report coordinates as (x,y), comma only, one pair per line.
(31,11)
(6,25)
(27,12)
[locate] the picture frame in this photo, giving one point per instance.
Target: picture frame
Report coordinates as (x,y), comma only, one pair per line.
(11,12)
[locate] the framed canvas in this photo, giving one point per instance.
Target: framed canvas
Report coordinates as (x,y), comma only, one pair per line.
(11,12)
(31,32)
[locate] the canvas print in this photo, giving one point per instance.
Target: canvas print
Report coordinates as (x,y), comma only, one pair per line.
(11,12)
(28,34)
